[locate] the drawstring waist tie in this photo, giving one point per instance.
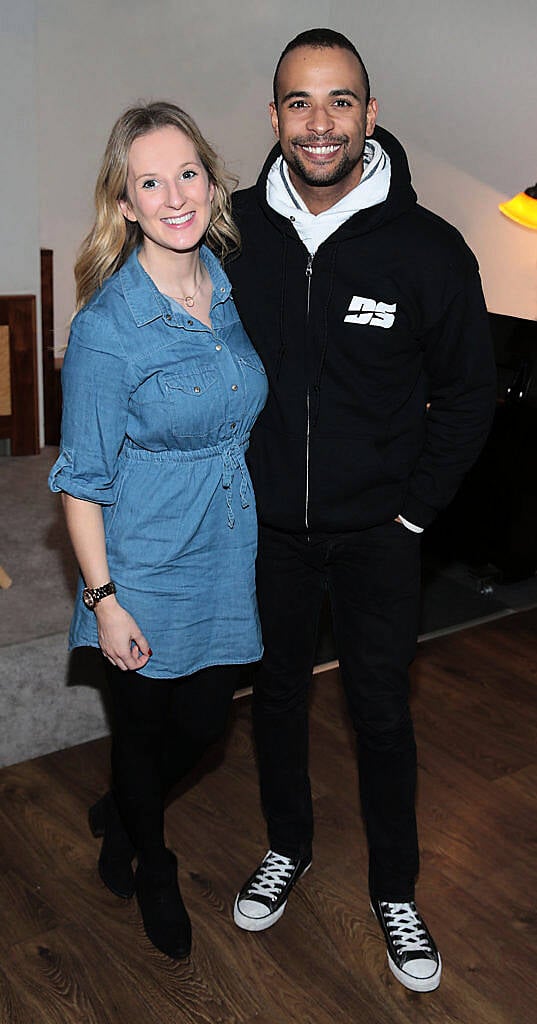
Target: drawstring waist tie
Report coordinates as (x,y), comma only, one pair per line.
(232,459)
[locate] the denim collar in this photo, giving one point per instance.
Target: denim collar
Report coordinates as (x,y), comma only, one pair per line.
(145,301)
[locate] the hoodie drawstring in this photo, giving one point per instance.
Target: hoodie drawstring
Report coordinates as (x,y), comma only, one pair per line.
(282,345)
(324,346)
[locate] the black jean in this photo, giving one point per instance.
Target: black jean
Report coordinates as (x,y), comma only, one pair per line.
(160,730)
(373,580)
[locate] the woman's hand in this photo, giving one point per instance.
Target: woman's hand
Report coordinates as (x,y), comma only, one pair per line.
(120,639)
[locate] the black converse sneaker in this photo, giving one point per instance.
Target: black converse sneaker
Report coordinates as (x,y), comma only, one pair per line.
(412,954)
(262,899)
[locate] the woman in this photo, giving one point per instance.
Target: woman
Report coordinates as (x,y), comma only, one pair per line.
(161,387)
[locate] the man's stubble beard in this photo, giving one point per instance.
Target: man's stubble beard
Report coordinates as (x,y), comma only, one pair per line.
(333,177)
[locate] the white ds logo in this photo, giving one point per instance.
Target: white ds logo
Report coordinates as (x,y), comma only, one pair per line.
(368,311)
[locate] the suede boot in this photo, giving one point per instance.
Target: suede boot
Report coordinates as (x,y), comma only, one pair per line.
(166,921)
(117,851)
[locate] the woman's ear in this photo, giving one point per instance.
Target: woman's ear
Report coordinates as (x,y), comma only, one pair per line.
(127,210)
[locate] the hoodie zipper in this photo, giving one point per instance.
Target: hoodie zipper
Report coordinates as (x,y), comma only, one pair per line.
(309,272)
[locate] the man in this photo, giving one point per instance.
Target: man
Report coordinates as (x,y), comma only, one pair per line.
(368,314)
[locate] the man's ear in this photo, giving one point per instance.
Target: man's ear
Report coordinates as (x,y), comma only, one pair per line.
(371,116)
(273,110)
(127,210)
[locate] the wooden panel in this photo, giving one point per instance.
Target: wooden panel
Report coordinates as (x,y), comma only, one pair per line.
(17,312)
(5,375)
(51,373)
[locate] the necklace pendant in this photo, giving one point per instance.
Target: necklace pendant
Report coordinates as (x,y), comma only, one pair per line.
(189,301)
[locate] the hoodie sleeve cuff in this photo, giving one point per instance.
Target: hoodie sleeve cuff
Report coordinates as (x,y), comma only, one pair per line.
(417,512)
(410,526)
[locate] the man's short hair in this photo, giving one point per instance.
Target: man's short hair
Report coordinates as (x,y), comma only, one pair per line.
(321,38)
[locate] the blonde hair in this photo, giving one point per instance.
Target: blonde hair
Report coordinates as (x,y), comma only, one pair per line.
(113,238)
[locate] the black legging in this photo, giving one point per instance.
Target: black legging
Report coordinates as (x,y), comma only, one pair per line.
(160,729)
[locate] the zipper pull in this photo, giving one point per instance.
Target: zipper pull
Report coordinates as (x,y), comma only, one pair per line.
(309,266)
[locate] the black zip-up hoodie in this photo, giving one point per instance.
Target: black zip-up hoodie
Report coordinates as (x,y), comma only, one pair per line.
(378,354)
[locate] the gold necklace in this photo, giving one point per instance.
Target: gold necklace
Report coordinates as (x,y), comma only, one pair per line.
(188,300)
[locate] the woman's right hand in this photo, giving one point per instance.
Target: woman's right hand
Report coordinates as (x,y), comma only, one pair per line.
(120,638)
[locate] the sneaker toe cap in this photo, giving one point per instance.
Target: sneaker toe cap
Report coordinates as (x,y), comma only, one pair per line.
(253,909)
(421,967)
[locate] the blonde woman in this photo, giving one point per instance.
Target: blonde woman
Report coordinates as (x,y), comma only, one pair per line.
(161,387)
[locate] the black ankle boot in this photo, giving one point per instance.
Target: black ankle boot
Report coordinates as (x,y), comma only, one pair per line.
(166,921)
(117,851)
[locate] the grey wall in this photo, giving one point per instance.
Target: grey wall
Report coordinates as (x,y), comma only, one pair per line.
(19,208)
(19,198)
(455,80)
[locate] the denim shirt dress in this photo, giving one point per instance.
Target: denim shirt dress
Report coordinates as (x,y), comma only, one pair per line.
(158,409)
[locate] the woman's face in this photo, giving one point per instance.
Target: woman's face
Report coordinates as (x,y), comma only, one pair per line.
(169,193)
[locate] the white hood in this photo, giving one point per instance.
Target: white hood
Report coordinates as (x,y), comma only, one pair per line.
(316,228)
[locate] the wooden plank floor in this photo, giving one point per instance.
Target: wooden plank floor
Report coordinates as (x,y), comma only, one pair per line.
(71,953)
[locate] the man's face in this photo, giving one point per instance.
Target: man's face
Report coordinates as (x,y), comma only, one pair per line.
(322,119)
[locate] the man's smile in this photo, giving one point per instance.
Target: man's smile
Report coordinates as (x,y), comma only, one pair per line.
(321,150)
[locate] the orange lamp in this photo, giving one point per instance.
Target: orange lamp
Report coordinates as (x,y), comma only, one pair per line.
(522,207)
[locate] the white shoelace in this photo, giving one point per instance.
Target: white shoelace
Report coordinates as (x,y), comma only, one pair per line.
(406,927)
(272,876)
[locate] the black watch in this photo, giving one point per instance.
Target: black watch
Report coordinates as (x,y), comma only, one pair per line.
(91,597)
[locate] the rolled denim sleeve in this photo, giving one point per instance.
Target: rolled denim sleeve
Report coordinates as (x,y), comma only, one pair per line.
(96,389)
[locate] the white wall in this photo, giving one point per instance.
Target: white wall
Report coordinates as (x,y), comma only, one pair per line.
(455,81)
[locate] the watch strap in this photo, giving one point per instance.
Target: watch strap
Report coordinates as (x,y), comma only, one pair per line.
(92,595)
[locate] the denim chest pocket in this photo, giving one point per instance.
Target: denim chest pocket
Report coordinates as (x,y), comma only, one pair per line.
(255,380)
(195,401)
